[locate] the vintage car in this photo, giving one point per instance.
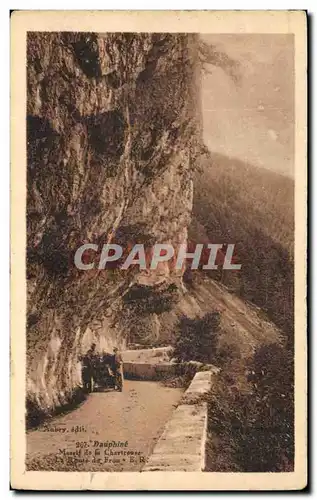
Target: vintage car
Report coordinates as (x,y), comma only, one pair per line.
(98,372)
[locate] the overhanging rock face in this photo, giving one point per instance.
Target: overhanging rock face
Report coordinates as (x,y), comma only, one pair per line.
(182,444)
(112,133)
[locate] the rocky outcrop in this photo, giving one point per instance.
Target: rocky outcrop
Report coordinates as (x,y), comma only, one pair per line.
(112,132)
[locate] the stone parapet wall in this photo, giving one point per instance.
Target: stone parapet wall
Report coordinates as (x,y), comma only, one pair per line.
(182,446)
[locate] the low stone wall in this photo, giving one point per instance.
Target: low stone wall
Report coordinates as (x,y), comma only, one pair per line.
(182,445)
(149,371)
(159,371)
(152,355)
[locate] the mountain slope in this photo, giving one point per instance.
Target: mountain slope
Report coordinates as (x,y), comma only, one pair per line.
(244,327)
(253,208)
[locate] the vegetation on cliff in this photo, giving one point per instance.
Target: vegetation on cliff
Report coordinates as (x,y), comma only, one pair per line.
(251,414)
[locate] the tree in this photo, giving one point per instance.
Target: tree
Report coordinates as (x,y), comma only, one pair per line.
(209,55)
(256,426)
(197,339)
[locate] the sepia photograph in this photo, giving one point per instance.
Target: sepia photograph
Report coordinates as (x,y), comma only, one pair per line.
(159,324)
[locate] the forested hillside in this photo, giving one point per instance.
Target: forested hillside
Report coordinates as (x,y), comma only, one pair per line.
(238,203)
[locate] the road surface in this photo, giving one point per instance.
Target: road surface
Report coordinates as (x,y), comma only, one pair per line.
(110,431)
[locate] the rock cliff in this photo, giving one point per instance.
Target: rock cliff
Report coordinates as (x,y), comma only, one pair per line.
(113,134)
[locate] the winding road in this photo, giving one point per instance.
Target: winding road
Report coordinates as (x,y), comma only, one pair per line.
(110,431)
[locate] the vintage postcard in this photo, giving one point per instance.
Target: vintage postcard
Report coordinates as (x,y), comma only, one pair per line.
(158,242)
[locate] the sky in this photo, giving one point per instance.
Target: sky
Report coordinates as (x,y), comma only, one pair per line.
(252,120)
